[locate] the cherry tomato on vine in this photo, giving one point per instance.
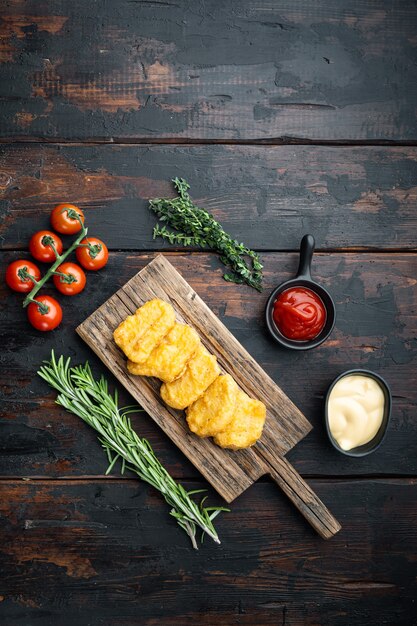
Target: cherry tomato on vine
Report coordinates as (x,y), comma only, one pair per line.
(45,314)
(70,280)
(18,275)
(64,219)
(41,246)
(92,253)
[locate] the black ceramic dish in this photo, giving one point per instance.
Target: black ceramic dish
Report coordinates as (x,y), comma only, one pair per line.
(302,279)
(372,445)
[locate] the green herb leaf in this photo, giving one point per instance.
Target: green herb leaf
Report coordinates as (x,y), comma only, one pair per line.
(80,393)
(193,226)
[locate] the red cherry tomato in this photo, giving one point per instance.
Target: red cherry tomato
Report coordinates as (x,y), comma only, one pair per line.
(45,314)
(40,246)
(70,280)
(92,253)
(64,219)
(18,275)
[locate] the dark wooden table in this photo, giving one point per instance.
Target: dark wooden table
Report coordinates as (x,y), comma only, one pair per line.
(286,118)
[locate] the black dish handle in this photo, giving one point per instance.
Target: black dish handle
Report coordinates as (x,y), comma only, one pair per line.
(306,255)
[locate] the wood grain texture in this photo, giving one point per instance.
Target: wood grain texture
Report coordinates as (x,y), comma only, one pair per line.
(95,553)
(376,326)
(99,551)
(241,69)
(230,473)
(265,196)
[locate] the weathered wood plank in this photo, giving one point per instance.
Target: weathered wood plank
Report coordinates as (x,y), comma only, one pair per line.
(88,553)
(376,328)
(265,196)
(242,69)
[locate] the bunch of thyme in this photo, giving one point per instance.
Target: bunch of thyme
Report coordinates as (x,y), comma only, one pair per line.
(90,399)
(196,227)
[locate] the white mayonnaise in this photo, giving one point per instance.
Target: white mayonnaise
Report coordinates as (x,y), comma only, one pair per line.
(355,410)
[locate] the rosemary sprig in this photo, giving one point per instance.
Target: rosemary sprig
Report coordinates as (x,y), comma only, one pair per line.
(196,227)
(80,393)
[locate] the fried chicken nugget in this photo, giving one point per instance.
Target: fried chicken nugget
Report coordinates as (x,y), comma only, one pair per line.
(246,425)
(139,334)
(212,413)
(171,356)
(201,371)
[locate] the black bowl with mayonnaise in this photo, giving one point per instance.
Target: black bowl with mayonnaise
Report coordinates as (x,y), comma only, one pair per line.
(338,430)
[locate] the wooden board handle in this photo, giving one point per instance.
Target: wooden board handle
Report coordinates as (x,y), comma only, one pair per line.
(304,498)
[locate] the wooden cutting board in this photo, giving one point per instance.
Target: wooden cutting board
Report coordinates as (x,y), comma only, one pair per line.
(229,472)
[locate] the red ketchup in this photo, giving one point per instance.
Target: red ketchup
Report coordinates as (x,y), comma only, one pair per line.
(299,314)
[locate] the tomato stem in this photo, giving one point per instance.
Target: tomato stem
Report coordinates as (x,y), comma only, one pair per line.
(47,240)
(42,307)
(94,248)
(59,259)
(73,215)
(25,276)
(66,278)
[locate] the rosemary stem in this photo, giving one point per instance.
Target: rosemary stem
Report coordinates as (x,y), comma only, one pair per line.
(191,535)
(89,399)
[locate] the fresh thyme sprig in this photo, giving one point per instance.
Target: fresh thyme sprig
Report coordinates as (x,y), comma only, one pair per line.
(80,393)
(195,227)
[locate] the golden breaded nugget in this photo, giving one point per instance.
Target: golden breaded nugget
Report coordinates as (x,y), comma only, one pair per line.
(139,334)
(200,372)
(169,359)
(246,425)
(212,413)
